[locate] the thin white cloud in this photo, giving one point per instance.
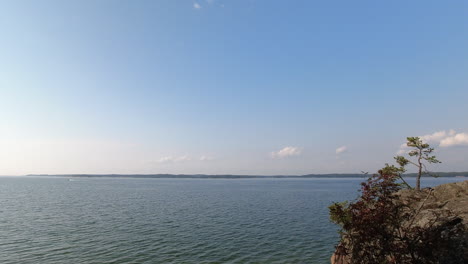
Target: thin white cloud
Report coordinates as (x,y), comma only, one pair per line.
(402,150)
(437,137)
(460,139)
(442,139)
(341,149)
(206,158)
(196,5)
(286,152)
(172,159)
(184,158)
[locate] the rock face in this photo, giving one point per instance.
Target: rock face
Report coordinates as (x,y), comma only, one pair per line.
(443,210)
(447,198)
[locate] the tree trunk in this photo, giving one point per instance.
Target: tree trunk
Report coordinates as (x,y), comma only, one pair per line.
(418,179)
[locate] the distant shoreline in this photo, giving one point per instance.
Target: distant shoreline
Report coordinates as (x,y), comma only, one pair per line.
(231,176)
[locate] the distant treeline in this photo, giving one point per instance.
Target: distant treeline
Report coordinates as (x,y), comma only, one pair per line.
(440,174)
(229,176)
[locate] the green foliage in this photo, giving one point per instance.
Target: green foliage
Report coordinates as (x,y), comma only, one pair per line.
(402,161)
(340,213)
(392,170)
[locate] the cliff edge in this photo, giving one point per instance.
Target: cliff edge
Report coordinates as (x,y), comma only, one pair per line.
(438,214)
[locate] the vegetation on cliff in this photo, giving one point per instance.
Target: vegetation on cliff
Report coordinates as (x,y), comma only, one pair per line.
(392,223)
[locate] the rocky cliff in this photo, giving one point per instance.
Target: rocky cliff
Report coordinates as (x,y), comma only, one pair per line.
(439,214)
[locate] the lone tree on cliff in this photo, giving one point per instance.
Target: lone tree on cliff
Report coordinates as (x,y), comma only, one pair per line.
(422,152)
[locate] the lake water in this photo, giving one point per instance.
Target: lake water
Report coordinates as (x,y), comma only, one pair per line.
(109,220)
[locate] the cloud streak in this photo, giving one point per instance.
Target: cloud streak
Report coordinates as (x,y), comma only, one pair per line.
(196,5)
(286,152)
(460,139)
(172,159)
(206,158)
(341,150)
(183,159)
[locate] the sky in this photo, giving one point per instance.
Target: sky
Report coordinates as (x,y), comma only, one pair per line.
(260,87)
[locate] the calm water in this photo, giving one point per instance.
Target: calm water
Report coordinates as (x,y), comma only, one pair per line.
(54,220)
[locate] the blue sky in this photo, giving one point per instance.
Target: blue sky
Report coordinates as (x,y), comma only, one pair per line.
(242,87)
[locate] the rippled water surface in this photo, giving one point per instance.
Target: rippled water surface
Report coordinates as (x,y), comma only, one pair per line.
(108,220)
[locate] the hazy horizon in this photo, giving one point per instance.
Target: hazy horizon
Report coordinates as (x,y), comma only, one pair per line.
(230,87)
